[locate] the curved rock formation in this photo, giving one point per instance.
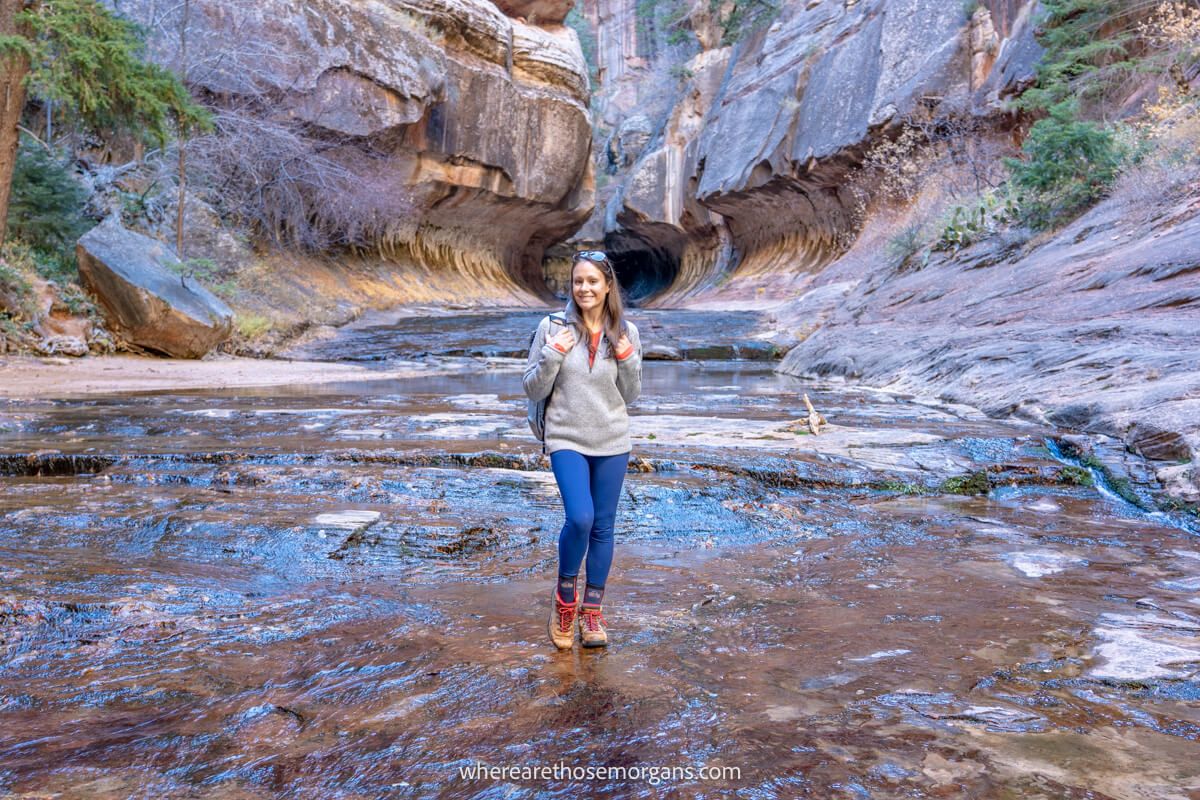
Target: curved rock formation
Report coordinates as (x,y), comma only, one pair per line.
(536,12)
(739,198)
(480,121)
(1094,329)
(749,158)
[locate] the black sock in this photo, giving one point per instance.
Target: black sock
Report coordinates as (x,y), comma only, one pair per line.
(566,588)
(593,595)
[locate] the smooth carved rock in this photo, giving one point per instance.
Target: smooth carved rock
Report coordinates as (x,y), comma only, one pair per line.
(1154,442)
(629,140)
(537,12)
(145,303)
(550,58)
(478,120)
(817,84)
(1018,56)
(661,352)
(753,159)
(1145,647)
(1119,359)
(347,102)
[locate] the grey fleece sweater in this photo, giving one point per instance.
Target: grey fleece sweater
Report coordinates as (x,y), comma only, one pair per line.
(587,411)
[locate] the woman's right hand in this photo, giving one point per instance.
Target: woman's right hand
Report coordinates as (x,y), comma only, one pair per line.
(563,341)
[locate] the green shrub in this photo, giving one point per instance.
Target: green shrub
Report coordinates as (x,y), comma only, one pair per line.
(77,301)
(202,269)
(680,72)
(1087,45)
(679,35)
(252,326)
(52,266)
(55,265)
(745,17)
(90,61)
(905,244)
(988,214)
(1068,164)
(1075,476)
(16,293)
(975,483)
(46,206)
(587,40)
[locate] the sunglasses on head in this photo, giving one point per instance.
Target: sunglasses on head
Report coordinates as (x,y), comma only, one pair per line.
(591,255)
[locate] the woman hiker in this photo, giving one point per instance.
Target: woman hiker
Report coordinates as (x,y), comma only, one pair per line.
(590,366)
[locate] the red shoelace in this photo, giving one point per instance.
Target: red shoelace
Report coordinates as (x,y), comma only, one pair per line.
(592,618)
(566,616)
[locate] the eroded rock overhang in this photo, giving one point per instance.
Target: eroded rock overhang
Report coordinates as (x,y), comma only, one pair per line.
(748,174)
(478,120)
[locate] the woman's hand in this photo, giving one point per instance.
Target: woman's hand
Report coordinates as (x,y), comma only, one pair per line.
(564,340)
(623,346)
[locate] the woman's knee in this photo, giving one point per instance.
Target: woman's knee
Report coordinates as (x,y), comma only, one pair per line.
(580,521)
(601,532)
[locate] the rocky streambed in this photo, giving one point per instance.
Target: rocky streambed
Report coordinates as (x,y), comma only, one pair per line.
(339,590)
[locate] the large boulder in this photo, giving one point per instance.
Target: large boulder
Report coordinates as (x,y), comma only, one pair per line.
(146,303)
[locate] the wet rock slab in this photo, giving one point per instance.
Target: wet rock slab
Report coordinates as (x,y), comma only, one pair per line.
(341,591)
(666,335)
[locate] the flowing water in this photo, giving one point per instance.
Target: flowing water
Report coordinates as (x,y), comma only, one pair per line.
(341,591)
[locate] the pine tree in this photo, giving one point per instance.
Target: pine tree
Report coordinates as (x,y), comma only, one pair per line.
(1069,164)
(1070,160)
(45,209)
(89,61)
(1087,46)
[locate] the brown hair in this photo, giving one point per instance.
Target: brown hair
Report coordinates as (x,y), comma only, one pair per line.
(613,321)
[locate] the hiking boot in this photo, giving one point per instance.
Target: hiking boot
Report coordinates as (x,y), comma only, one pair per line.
(562,623)
(592,630)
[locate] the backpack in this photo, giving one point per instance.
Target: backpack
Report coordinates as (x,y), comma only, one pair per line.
(536,412)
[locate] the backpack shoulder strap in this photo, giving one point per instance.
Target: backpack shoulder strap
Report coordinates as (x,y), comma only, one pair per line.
(558,315)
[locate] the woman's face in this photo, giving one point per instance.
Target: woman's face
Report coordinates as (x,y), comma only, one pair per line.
(589,286)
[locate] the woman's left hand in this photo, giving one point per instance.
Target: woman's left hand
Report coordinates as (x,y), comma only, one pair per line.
(623,344)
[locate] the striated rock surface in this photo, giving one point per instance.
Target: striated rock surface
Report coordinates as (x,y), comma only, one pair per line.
(752,147)
(536,12)
(146,303)
(479,120)
(740,197)
(1096,328)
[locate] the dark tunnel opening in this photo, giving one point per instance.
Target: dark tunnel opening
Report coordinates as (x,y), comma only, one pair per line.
(643,273)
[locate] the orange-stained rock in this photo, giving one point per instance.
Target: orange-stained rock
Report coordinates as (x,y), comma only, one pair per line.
(536,12)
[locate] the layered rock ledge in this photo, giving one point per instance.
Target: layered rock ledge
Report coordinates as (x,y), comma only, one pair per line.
(476,122)
(745,172)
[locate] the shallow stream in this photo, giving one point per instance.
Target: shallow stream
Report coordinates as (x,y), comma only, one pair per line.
(341,591)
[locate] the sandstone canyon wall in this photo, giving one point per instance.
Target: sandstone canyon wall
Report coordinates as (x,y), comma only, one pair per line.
(715,166)
(729,179)
(474,123)
(741,164)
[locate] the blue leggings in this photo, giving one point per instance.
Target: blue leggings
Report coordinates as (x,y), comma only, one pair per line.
(590,487)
